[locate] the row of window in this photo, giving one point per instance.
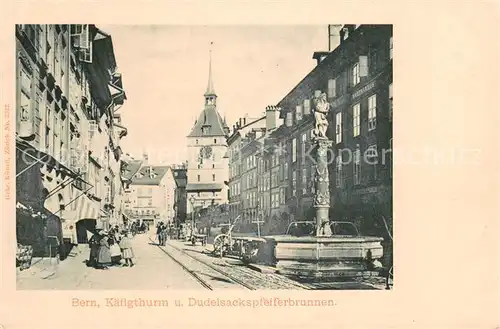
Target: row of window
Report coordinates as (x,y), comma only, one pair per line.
(144,212)
(144,191)
(371,158)
(199,178)
(336,87)
(277,199)
(235,189)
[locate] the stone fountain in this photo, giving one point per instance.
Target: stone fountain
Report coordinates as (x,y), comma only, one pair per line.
(325,254)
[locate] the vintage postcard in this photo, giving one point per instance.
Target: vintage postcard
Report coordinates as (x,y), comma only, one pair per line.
(215,169)
(292,195)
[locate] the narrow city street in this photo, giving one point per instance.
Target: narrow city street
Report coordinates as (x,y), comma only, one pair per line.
(246,198)
(152,270)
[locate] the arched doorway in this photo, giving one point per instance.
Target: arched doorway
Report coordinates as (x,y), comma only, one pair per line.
(84,226)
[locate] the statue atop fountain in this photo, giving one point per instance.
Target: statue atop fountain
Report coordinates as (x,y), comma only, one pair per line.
(322,179)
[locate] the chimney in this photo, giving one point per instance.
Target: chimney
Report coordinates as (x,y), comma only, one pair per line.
(272,116)
(346,31)
(289,119)
(319,56)
(145,158)
(334,36)
(245,120)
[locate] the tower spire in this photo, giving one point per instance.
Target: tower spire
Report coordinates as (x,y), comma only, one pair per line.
(210,86)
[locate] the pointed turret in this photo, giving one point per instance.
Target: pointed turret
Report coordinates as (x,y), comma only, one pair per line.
(209,122)
(210,86)
(225,126)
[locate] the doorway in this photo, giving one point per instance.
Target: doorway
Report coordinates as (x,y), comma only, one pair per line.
(82,227)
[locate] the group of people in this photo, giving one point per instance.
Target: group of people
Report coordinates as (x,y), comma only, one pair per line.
(138,227)
(162,233)
(110,248)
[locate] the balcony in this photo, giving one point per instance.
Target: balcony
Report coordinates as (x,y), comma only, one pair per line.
(42,65)
(51,80)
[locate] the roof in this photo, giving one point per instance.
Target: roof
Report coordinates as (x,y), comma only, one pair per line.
(338,55)
(204,187)
(211,119)
(145,178)
(130,169)
(180,177)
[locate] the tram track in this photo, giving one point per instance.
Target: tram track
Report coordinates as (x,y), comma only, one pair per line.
(248,277)
(250,280)
(195,275)
(201,281)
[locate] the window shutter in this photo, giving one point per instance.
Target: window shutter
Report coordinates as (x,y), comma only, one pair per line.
(332,88)
(85,37)
(307,106)
(298,112)
(363,66)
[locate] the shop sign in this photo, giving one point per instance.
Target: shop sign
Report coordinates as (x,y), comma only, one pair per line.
(363,90)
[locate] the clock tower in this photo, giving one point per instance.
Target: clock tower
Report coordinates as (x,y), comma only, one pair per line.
(207,170)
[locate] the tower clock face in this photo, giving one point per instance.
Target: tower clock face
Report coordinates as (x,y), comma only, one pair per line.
(206,152)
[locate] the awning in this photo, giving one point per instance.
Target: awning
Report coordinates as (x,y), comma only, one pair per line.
(44,158)
(86,208)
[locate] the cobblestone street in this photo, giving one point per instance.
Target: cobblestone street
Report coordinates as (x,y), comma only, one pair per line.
(152,270)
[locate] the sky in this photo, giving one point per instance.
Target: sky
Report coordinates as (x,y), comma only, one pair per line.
(165,74)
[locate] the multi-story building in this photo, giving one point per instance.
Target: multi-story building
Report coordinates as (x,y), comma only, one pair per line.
(356,76)
(207,171)
(180,177)
(64,76)
(236,141)
(250,147)
(151,194)
(273,173)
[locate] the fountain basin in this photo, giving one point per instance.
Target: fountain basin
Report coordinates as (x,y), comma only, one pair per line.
(312,257)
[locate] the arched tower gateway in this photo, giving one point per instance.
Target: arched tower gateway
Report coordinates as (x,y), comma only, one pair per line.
(207,171)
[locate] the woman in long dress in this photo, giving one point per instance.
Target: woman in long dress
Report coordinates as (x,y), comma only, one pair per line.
(127,251)
(104,255)
(94,249)
(114,249)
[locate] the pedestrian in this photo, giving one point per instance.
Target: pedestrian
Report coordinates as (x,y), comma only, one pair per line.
(163,234)
(104,254)
(159,229)
(126,249)
(94,249)
(115,251)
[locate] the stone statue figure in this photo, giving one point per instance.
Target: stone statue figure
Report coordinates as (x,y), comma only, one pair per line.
(322,107)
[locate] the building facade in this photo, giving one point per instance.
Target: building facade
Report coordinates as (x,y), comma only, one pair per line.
(151,194)
(67,93)
(356,77)
(207,172)
(243,180)
(180,177)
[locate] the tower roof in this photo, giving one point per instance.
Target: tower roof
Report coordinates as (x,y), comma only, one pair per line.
(211,120)
(210,85)
(209,123)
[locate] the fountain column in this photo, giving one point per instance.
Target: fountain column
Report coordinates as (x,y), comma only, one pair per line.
(322,186)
